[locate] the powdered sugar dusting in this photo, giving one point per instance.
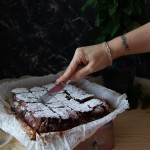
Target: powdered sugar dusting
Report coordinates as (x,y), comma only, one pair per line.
(45,113)
(36,107)
(59,97)
(77,93)
(37,94)
(27,97)
(60,100)
(93,103)
(55,105)
(37,89)
(20,90)
(53,100)
(79,107)
(62,112)
(72,114)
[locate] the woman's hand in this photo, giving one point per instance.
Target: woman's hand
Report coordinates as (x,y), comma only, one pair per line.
(86,60)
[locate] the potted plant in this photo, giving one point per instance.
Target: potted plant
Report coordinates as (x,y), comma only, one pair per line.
(114,18)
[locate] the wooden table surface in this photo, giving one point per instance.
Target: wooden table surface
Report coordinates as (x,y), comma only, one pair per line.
(131,129)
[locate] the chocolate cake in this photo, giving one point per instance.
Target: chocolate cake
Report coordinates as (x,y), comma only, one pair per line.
(67,109)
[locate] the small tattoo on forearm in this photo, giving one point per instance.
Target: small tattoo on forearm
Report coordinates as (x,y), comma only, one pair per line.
(124,42)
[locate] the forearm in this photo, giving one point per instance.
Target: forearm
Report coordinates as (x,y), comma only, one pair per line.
(138,41)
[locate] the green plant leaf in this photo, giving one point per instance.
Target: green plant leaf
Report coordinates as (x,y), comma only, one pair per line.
(113,8)
(128,11)
(115,29)
(138,8)
(97,21)
(87,4)
(115,17)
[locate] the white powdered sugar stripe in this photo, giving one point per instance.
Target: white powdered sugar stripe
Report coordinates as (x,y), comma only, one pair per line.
(85,108)
(55,105)
(62,112)
(77,93)
(59,97)
(35,89)
(67,102)
(20,90)
(79,107)
(36,107)
(37,94)
(45,113)
(27,97)
(72,101)
(53,100)
(49,86)
(72,113)
(93,103)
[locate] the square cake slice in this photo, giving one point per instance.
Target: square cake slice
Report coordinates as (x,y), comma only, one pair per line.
(67,109)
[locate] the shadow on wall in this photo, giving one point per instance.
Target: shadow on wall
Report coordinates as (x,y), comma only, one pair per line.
(40,37)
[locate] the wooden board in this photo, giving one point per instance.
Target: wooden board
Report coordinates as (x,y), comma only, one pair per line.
(132,130)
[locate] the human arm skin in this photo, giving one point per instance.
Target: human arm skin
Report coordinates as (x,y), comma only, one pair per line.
(138,41)
(92,58)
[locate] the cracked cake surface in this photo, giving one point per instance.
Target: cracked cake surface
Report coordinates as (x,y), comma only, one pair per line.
(69,108)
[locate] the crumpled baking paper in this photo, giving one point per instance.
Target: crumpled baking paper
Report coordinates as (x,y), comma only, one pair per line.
(69,139)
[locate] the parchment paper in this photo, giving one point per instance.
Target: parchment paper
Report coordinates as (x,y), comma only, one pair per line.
(69,139)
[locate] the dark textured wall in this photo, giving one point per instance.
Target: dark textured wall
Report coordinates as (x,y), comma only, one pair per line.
(38,37)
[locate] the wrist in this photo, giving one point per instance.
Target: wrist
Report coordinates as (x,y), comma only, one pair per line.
(116,48)
(108,51)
